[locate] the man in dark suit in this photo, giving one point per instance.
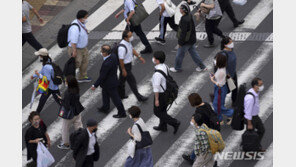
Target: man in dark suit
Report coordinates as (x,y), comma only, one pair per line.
(85,147)
(108,81)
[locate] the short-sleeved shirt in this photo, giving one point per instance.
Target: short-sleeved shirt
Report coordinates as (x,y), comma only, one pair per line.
(220,76)
(158,80)
(80,38)
(165,13)
(26,26)
(126,55)
(208,2)
(129,6)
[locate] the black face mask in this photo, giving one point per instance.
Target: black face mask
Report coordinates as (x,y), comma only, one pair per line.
(95,130)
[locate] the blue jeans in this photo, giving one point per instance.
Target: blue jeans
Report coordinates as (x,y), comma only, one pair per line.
(193,53)
(223,110)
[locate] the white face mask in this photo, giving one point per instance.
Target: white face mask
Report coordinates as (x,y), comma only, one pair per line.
(192,124)
(230,46)
(215,62)
(261,88)
(84,21)
(131,39)
(130,116)
(101,54)
(153,60)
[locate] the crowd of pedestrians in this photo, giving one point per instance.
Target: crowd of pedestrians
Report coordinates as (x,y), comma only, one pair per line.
(83,141)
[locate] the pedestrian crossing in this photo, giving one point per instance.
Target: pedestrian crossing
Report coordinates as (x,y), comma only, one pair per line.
(195,82)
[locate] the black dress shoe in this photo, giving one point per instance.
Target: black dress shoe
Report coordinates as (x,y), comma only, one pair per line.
(160,129)
(124,97)
(119,116)
(187,158)
(142,99)
(103,110)
(148,49)
(238,23)
(177,127)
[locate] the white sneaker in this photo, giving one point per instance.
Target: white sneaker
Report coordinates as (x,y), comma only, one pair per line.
(63,147)
(172,69)
(198,69)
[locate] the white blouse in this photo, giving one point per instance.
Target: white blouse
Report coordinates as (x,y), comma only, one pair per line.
(220,76)
(136,131)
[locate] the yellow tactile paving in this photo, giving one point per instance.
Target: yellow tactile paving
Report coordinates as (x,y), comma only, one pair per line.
(37,4)
(51,2)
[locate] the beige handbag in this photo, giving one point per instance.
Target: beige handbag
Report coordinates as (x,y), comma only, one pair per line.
(230,84)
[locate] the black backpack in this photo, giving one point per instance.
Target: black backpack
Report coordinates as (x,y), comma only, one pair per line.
(213,117)
(73,138)
(172,88)
(58,74)
(250,141)
(114,49)
(62,38)
(146,139)
(238,115)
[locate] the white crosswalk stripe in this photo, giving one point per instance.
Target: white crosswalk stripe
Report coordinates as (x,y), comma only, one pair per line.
(268,157)
(194,82)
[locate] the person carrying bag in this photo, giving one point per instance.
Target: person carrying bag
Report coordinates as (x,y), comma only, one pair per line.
(139,147)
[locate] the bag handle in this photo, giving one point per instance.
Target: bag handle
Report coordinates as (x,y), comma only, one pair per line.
(139,128)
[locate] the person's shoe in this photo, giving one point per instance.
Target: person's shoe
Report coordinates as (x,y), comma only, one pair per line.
(63,147)
(191,2)
(238,23)
(103,110)
(209,45)
(177,127)
(148,49)
(160,129)
(216,164)
(119,116)
(228,121)
(124,97)
(172,69)
(198,69)
(142,99)
(85,79)
(187,158)
(160,41)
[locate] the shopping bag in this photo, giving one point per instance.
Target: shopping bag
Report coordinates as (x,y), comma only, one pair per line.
(230,84)
(170,7)
(131,148)
(66,114)
(44,157)
(240,2)
(42,87)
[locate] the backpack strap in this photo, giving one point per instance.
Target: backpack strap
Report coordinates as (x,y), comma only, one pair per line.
(164,75)
(249,93)
(76,25)
(122,45)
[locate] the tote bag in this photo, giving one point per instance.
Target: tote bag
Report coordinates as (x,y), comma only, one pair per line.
(170,7)
(42,87)
(66,114)
(230,84)
(146,139)
(140,14)
(44,157)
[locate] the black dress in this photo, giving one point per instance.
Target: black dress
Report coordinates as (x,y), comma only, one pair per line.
(31,134)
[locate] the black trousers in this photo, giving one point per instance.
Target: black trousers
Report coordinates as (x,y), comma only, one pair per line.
(258,125)
(234,92)
(44,98)
(212,28)
(162,114)
(226,6)
(88,161)
(163,24)
(131,80)
(29,37)
(138,30)
(113,94)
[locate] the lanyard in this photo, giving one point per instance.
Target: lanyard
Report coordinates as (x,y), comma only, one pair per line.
(82,26)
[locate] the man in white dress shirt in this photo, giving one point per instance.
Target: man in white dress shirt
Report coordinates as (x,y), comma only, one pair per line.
(159,87)
(125,54)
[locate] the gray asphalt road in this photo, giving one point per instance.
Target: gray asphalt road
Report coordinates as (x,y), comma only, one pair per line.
(247,52)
